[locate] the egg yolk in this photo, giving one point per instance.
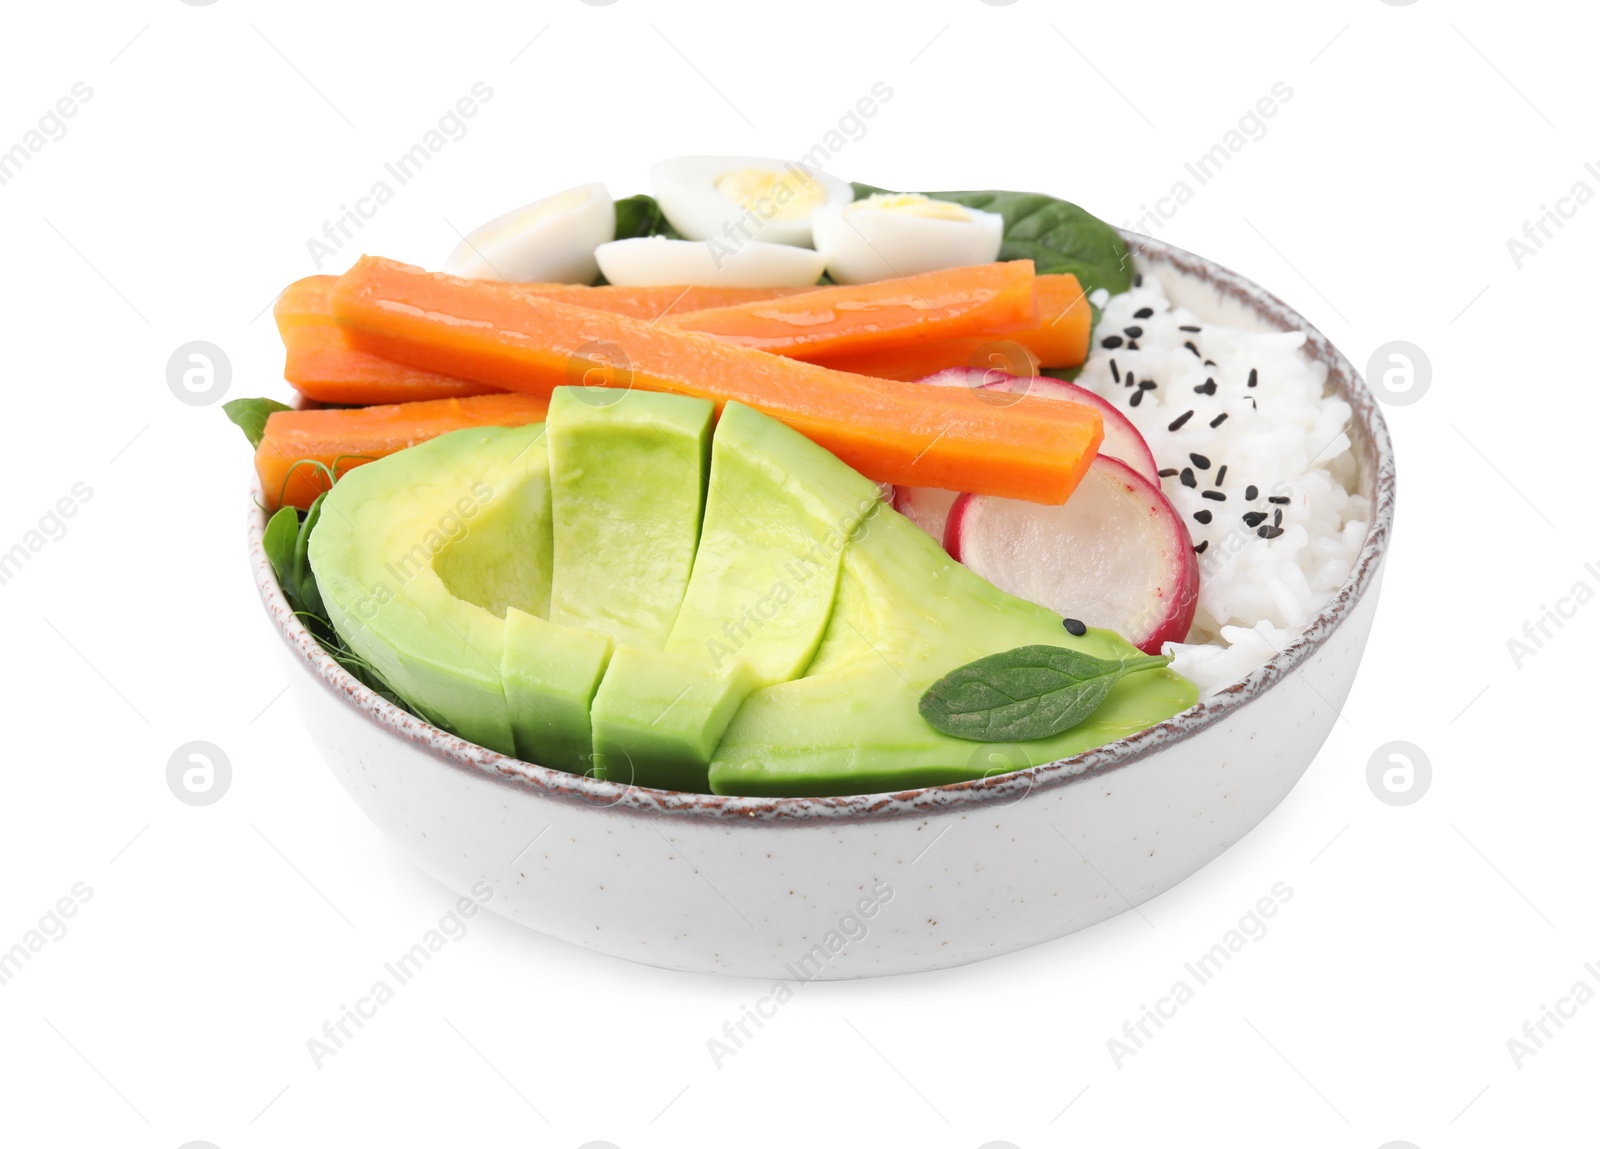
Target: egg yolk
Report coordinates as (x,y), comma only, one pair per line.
(913,203)
(773,195)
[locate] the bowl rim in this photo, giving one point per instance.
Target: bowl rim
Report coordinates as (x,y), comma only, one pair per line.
(1371,438)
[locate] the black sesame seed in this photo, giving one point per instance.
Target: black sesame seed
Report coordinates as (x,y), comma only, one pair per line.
(1133,400)
(1177,424)
(1209,387)
(1187,478)
(1200,547)
(1254,518)
(1211,362)
(1147,385)
(1138,280)
(1190,345)
(1074,627)
(1281,500)
(1116,376)
(1111,341)
(1222,472)
(1133,332)
(1188,327)
(1200,461)
(1167,472)
(1277,518)
(1270,532)
(1252,399)
(1253,380)
(1215,496)
(1202,517)
(1220,419)
(1252,492)
(1144,313)
(1132,346)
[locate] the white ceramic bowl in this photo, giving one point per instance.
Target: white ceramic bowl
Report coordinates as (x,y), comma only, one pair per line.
(796,888)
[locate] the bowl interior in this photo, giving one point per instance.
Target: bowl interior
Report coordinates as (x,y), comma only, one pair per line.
(1211,292)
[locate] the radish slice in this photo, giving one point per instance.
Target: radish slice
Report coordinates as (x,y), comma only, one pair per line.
(928,507)
(1115,555)
(1122,439)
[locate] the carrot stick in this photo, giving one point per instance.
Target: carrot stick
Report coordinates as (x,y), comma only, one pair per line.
(303,451)
(320,363)
(955,438)
(879,319)
(1060,338)
(653,303)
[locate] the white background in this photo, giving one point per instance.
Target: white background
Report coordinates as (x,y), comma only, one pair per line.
(218,139)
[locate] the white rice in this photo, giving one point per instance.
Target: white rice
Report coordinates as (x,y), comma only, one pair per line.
(1282,436)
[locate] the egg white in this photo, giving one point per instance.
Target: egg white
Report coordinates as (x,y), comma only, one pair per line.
(551,240)
(862,244)
(659,262)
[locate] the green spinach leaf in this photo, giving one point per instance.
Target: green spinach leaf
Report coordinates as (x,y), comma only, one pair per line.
(641,215)
(1027,693)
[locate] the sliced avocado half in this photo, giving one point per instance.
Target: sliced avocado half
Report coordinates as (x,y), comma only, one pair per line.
(630,596)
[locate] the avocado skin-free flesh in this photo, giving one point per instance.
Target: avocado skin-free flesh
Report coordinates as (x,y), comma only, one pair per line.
(423,557)
(628,479)
(779,513)
(905,615)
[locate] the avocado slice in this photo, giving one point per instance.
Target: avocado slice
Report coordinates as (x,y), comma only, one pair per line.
(905,615)
(434,565)
(628,480)
(779,513)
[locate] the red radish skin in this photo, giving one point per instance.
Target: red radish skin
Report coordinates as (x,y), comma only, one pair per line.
(1116,555)
(1122,439)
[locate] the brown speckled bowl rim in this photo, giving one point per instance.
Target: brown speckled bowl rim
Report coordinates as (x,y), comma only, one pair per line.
(1368,432)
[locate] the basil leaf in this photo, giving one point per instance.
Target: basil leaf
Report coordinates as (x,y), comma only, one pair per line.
(1058,236)
(641,215)
(250,416)
(1027,693)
